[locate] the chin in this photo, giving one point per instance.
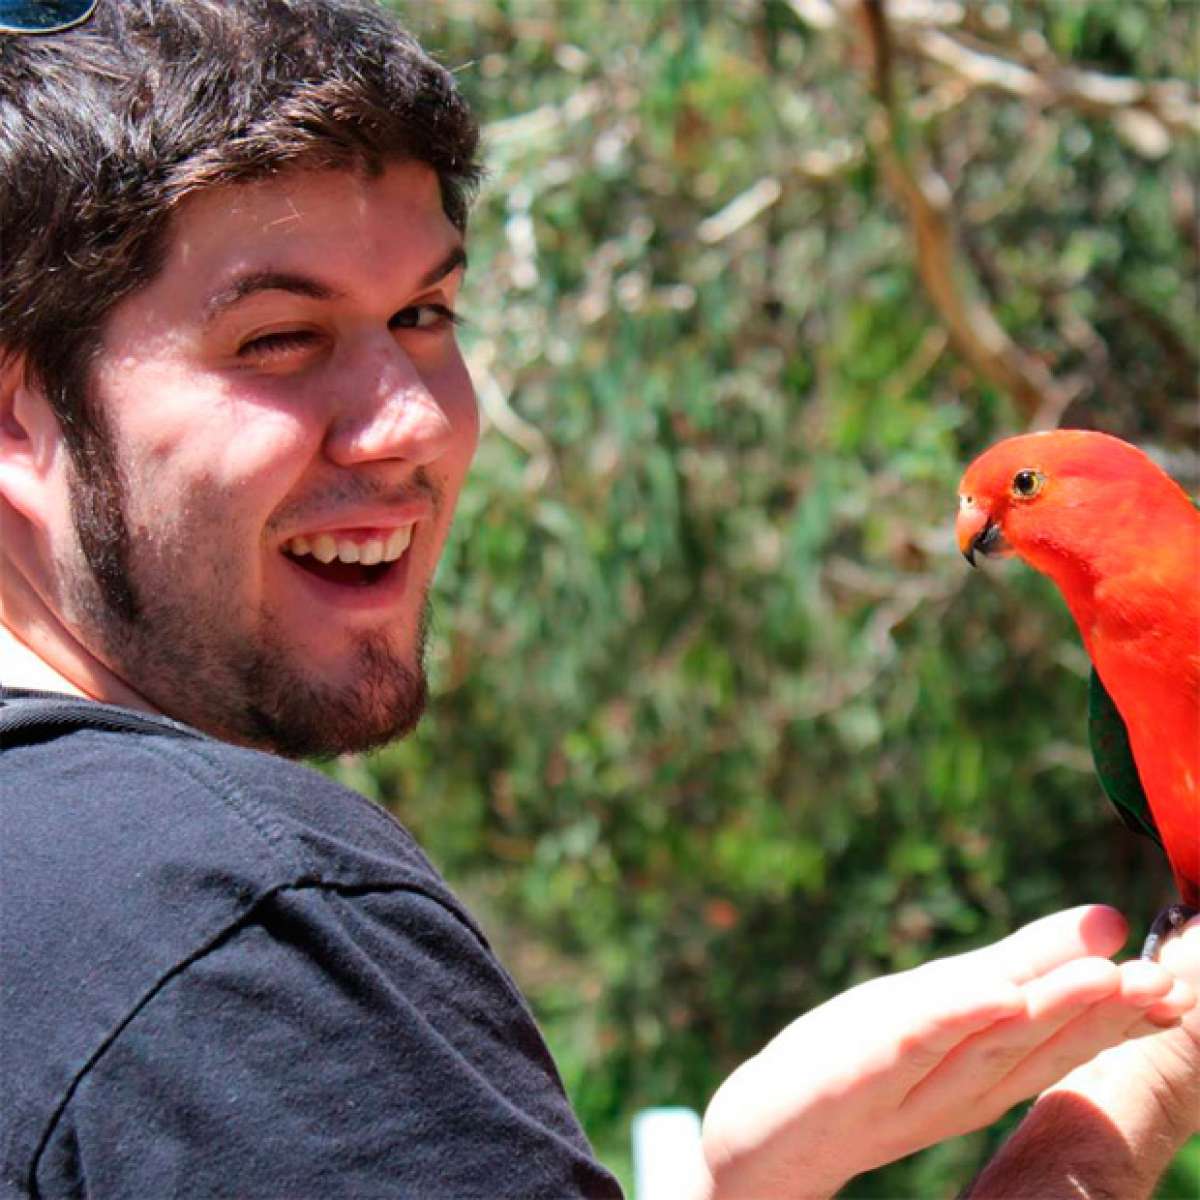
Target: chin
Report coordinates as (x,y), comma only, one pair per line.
(290,708)
(327,724)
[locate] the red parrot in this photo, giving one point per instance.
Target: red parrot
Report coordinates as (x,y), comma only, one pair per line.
(1121,539)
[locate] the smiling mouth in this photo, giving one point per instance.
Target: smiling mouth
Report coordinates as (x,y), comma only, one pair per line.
(349,562)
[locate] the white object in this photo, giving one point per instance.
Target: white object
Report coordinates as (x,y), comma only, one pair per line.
(667,1154)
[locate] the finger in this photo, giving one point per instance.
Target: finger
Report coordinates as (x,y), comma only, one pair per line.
(979,1063)
(1091,930)
(1170,1010)
(1181,956)
(1145,982)
(948,1008)
(978,988)
(1125,1014)
(1062,993)
(1181,952)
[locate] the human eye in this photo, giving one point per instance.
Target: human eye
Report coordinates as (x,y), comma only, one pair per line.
(283,342)
(429,317)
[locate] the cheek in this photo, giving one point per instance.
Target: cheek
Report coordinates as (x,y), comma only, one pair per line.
(172,420)
(270,444)
(242,456)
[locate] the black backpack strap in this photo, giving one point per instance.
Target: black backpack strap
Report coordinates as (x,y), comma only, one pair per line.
(36,717)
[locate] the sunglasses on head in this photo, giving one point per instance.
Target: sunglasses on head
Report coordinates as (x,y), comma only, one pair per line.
(43,16)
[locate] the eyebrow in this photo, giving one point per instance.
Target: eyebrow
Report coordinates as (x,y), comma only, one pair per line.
(253,282)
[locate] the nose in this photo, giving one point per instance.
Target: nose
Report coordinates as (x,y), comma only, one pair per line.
(388,410)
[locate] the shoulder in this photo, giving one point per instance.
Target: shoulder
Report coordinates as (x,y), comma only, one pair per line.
(114,837)
(127,856)
(339,1043)
(96,793)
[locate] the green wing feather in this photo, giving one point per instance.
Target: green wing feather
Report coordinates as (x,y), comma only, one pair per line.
(1114,761)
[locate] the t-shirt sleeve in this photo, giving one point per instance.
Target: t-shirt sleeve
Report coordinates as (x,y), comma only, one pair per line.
(339,1043)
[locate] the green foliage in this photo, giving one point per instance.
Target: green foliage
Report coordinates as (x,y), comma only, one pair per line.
(723,725)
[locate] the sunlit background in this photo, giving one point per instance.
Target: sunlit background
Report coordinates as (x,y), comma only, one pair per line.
(723,722)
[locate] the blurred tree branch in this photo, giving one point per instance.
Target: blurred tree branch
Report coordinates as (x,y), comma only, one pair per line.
(1148,113)
(951,286)
(496,409)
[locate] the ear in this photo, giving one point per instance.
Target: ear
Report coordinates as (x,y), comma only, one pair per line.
(30,442)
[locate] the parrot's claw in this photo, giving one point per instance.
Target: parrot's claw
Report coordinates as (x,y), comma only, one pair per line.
(1176,916)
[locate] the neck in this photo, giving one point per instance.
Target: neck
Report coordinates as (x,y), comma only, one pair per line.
(20,667)
(37,651)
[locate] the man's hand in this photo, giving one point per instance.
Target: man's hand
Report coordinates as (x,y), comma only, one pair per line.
(899,1063)
(1111,1127)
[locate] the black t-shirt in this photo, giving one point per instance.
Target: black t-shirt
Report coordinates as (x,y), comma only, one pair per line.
(225,975)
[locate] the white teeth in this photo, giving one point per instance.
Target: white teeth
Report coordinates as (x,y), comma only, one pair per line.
(397,543)
(325,547)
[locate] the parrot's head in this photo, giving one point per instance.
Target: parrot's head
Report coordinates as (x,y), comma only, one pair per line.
(1057,499)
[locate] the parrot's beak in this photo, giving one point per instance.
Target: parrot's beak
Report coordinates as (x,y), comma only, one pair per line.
(976,531)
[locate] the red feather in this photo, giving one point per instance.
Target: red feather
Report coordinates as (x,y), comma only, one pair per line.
(1121,539)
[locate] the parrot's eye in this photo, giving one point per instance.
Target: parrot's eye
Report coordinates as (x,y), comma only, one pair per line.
(1027,484)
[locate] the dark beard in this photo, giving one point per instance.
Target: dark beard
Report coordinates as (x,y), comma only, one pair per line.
(294,716)
(97,499)
(253,692)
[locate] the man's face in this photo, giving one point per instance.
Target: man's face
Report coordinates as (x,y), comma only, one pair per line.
(288,389)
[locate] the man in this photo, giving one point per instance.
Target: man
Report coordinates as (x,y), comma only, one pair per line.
(234,422)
